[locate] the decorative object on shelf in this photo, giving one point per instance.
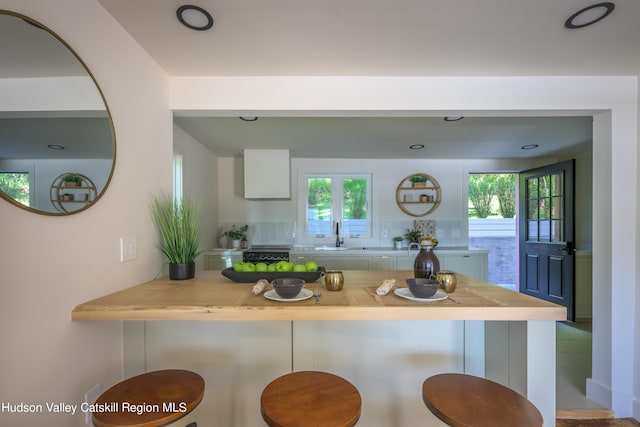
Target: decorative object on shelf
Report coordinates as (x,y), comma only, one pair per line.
(397,242)
(178,224)
(72,180)
(70,190)
(412,236)
(237,235)
(425,202)
(418,181)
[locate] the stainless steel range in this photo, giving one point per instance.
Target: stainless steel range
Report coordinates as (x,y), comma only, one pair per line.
(266,253)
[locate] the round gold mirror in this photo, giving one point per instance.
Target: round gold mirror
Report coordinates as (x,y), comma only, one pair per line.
(54,122)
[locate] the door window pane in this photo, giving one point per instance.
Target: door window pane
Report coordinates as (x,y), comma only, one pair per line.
(532,230)
(532,188)
(543,187)
(556,185)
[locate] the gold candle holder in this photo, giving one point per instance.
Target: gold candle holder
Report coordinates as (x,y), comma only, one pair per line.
(333,280)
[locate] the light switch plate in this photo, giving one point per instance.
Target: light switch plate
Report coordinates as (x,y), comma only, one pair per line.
(127,248)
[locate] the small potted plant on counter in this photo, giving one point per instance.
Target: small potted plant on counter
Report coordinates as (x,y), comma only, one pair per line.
(178,224)
(237,235)
(412,236)
(397,242)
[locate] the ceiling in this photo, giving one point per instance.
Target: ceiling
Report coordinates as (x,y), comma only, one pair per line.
(383,38)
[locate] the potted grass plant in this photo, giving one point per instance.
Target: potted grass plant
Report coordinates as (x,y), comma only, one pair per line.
(178,223)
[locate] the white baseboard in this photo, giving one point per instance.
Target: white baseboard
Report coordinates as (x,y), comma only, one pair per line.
(599,393)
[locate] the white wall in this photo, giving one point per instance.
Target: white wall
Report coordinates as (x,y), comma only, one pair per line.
(200,178)
(50,264)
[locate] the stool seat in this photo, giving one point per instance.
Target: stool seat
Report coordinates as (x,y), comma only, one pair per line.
(310,398)
(466,401)
(149,400)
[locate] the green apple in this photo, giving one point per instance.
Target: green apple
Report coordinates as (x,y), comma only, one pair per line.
(299,268)
(261,266)
(249,267)
(311,266)
(271,267)
(238,266)
(284,266)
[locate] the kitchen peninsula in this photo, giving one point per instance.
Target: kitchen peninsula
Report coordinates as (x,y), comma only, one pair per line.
(385,345)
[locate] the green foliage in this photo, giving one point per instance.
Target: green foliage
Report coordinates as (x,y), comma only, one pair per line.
(418,178)
(72,178)
(320,196)
(488,191)
(506,192)
(178,224)
(355,198)
(412,235)
(481,191)
(237,233)
(16,186)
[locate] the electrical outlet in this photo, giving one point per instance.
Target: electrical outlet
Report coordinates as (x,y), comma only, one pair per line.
(128,248)
(89,399)
(385,233)
(439,234)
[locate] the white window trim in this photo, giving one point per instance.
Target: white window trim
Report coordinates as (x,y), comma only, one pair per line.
(330,239)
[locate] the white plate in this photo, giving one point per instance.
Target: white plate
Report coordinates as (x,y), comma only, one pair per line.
(406,293)
(273,295)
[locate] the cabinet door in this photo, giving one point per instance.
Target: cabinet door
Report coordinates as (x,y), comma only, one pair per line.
(472,265)
(403,262)
(220,262)
(382,262)
(344,262)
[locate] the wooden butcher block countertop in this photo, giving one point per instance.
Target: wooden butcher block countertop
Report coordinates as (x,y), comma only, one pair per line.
(211,296)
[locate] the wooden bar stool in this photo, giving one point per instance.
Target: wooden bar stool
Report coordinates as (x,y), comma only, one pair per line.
(149,400)
(310,398)
(467,401)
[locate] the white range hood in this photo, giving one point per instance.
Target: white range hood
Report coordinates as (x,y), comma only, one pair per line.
(267,174)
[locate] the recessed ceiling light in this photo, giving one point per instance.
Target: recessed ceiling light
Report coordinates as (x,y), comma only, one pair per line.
(194,17)
(589,15)
(416,146)
(55,147)
(529,146)
(453,118)
(248,118)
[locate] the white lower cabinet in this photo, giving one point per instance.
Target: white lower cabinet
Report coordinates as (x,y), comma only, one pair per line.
(475,266)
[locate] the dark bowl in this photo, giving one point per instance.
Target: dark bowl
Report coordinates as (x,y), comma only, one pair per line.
(287,287)
(423,288)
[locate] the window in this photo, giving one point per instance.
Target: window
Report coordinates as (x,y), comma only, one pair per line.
(343,199)
(177,176)
(16,186)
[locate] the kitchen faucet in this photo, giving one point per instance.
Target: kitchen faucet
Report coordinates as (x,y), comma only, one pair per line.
(338,241)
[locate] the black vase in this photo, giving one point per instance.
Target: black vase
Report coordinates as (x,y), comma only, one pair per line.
(182,271)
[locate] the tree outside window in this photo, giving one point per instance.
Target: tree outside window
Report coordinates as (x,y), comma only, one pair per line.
(16,186)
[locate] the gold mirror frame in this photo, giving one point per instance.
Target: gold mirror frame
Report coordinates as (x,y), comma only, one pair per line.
(41,187)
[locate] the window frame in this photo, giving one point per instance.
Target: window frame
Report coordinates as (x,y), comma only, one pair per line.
(337,208)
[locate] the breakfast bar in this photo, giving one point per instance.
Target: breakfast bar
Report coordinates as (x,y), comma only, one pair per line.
(384,344)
